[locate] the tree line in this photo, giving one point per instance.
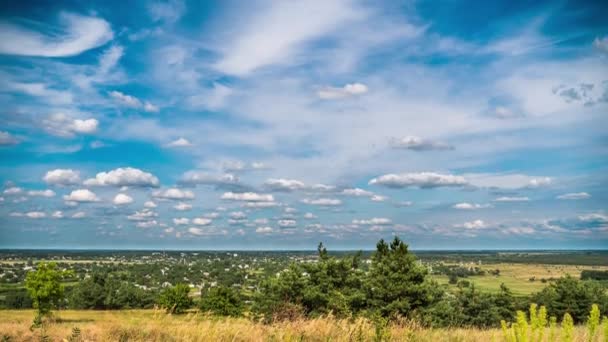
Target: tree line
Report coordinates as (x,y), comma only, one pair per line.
(394,286)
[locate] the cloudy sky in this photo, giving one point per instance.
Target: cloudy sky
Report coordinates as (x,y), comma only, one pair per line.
(276,125)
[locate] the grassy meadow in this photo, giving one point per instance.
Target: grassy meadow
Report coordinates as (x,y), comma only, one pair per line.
(155,325)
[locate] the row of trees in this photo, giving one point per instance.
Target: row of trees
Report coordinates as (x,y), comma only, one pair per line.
(394,285)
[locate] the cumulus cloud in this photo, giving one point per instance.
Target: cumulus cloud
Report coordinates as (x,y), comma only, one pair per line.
(374,221)
(63,125)
(247,196)
(35,214)
(286,223)
(238,215)
(422,180)
(539,182)
(348,90)
(202,221)
(7,139)
(261,205)
(150,204)
(476,224)
(81,195)
(512,199)
(415,143)
(357,192)
(205,178)
(263,230)
(142,215)
(470,206)
(13,191)
(282,184)
(378,198)
(310,216)
(127,176)
(174,194)
(62,177)
(324,202)
(181,221)
(75,35)
(574,196)
(181,206)
(124,99)
(181,142)
(41,193)
(79,215)
(122,199)
(147,224)
(57,214)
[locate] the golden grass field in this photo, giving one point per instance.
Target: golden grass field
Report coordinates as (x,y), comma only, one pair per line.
(153,325)
(517,276)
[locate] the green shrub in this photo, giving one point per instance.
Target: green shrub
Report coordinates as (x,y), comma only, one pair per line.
(175,299)
(222,301)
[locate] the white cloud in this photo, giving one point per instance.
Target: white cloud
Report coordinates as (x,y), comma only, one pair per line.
(181,221)
(79,215)
(181,142)
(310,216)
(41,193)
(378,198)
(477,224)
(574,196)
(357,192)
(404,204)
(470,206)
(122,199)
(213,98)
(57,214)
(13,191)
(263,230)
(62,177)
(81,195)
(181,206)
(41,90)
(374,221)
(238,215)
(259,205)
(282,184)
(125,100)
(146,224)
(150,204)
(539,182)
(142,215)
(421,180)
(174,194)
(286,223)
(418,144)
(150,108)
(201,221)
(351,89)
(512,199)
(277,31)
(261,221)
(322,201)
(7,139)
(127,176)
(76,35)
(204,178)
(247,196)
(63,125)
(35,214)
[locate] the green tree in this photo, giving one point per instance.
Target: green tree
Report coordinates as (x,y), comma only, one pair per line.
(45,288)
(175,299)
(397,283)
(223,301)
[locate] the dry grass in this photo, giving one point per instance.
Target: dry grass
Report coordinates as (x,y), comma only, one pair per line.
(150,325)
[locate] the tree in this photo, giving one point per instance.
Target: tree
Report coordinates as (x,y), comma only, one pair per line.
(222,301)
(175,299)
(45,288)
(397,284)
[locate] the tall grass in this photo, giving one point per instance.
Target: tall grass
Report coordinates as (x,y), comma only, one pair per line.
(152,326)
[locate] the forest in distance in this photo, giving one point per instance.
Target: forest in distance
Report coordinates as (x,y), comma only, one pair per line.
(477,290)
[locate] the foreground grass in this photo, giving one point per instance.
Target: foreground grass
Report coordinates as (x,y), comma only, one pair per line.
(151,325)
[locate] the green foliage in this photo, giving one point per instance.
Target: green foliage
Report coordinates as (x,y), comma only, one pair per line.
(528,331)
(102,292)
(570,295)
(593,321)
(397,284)
(605,327)
(45,288)
(552,328)
(175,299)
(567,328)
(222,301)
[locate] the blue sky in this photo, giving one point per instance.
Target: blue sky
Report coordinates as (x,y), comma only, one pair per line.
(276,125)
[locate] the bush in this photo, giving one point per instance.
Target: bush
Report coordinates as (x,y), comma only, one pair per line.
(222,301)
(175,299)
